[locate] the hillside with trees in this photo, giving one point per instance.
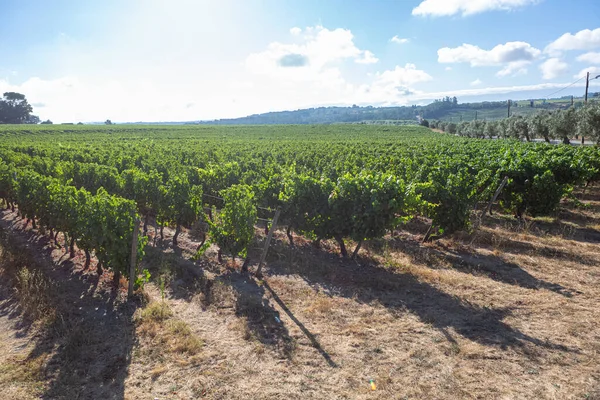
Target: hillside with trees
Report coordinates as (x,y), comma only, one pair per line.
(445,109)
(15,109)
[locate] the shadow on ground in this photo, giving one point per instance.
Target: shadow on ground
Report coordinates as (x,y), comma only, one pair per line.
(250,298)
(402,292)
(87,344)
(491,266)
(263,321)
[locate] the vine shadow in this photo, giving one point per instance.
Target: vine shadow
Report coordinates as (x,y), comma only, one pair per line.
(490,266)
(262,321)
(402,292)
(85,348)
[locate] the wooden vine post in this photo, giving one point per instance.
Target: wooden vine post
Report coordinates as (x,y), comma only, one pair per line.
(268,242)
(133,261)
(488,208)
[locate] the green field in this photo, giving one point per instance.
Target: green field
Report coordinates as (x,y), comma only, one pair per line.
(331,181)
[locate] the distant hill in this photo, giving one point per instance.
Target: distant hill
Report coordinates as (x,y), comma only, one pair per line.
(443,109)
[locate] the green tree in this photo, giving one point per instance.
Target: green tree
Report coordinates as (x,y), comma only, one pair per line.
(563,124)
(491,129)
(33,120)
(112,218)
(539,126)
(518,128)
(7,185)
(451,128)
(14,109)
(448,197)
(589,124)
(477,128)
(463,129)
(31,194)
(502,127)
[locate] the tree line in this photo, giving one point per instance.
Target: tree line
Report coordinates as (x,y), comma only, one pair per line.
(561,125)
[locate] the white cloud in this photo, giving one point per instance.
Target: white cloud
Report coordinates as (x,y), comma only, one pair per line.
(552,68)
(319,62)
(399,40)
(500,54)
(476,82)
(513,56)
(438,8)
(448,68)
(514,69)
(156,80)
(71,99)
(403,76)
(594,71)
(321,48)
(583,40)
(592,58)
(368,58)
(391,87)
(311,70)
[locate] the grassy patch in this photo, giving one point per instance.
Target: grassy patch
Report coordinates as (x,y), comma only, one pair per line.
(35,292)
(24,373)
(155,312)
(167,334)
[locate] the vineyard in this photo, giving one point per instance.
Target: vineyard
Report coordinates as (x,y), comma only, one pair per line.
(342,189)
(335,182)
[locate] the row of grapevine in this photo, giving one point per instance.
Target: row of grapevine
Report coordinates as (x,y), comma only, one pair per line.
(327,188)
(100,223)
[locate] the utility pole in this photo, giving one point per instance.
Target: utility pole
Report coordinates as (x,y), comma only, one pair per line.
(508,114)
(572,101)
(475,115)
(587,85)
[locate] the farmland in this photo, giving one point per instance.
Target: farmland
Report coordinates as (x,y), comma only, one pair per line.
(380,267)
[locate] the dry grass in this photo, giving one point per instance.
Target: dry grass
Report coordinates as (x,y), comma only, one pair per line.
(33,288)
(158,371)
(35,292)
(64,330)
(25,292)
(167,334)
(511,311)
(155,312)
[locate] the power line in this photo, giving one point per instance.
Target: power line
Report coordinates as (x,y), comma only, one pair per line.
(566,87)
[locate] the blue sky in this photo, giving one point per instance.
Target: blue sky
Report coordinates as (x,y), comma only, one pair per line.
(186,60)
